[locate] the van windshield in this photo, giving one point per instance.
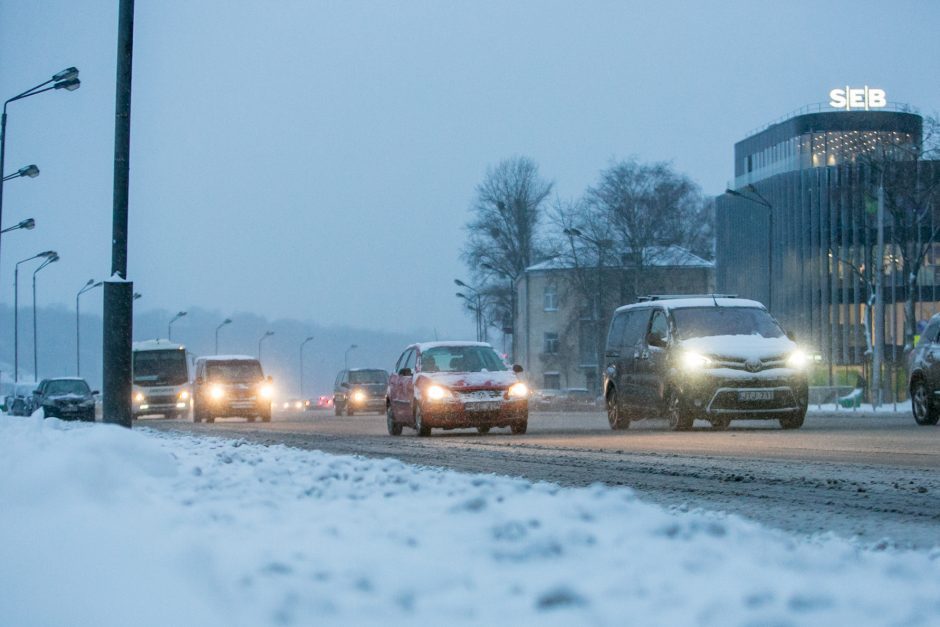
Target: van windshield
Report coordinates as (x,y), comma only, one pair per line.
(711,321)
(160,367)
(234,371)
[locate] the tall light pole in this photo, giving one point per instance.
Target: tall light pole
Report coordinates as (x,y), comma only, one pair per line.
(222,324)
(302,344)
(481,322)
(31,171)
(29,224)
(89,285)
(266,335)
(48,254)
(760,200)
(45,263)
(346,356)
(169,326)
(67,79)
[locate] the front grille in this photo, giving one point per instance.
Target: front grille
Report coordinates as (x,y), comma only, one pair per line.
(747,365)
(726,399)
(163,399)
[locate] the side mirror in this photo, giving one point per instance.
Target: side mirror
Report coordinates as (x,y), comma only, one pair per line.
(37,392)
(200,380)
(516,368)
(791,336)
(95,392)
(270,379)
(612,354)
(405,372)
(344,384)
(655,340)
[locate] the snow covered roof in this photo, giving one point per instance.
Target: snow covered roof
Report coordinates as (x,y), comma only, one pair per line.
(654,256)
(423,346)
(157,344)
(702,301)
(228,358)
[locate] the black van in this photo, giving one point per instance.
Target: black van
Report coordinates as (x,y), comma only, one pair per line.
(714,358)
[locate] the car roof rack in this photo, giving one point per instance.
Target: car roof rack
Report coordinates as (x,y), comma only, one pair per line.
(652,297)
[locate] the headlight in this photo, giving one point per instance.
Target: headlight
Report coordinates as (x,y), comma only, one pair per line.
(139,397)
(266,391)
(184,395)
(298,405)
(518,390)
(359,396)
(217,392)
(798,360)
(436,393)
(695,361)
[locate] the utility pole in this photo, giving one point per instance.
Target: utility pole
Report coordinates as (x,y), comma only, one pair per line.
(878,352)
(118,291)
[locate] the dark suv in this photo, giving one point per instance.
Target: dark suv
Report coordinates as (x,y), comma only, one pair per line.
(231,385)
(360,389)
(67,398)
(712,358)
(925,375)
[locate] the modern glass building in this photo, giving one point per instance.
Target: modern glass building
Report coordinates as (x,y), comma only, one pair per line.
(798,230)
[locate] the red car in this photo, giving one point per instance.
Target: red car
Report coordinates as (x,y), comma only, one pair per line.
(454,385)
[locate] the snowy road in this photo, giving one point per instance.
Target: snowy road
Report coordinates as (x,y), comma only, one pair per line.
(863,476)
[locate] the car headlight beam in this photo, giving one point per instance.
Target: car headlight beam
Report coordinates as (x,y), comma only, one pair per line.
(518,390)
(436,393)
(266,391)
(798,360)
(217,392)
(693,361)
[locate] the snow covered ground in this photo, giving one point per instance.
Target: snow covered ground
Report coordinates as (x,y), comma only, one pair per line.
(103,526)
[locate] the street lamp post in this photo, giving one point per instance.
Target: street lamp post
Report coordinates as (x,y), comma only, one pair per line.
(48,254)
(478,300)
(222,324)
(169,326)
(266,335)
(66,79)
(760,200)
(302,344)
(31,171)
(346,356)
(45,263)
(29,224)
(89,285)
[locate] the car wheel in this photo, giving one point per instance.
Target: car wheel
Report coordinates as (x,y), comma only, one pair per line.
(393,427)
(483,430)
(349,411)
(519,428)
(210,419)
(677,416)
(423,431)
(720,423)
(616,417)
(89,417)
(925,413)
(250,418)
(266,416)
(338,410)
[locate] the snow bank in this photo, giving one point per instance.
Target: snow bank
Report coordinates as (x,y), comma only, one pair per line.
(103,526)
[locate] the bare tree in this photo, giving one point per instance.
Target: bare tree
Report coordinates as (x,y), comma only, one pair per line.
(503,234)
(650,207)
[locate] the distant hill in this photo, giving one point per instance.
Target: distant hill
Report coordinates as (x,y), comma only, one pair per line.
(323,357)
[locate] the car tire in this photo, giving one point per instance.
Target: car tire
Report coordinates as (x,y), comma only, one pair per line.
(393,427)
(678,417)
(422,430)
(925,413)
(266,416)
(720,423)
(519,427)
(616,417)
(338,410)
(349,411)
(483,430)
(210,419)
(250,418)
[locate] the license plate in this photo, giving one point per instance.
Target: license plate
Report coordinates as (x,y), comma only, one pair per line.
(756,395)
(483,406)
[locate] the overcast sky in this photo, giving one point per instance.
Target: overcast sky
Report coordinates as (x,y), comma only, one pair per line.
(316,160)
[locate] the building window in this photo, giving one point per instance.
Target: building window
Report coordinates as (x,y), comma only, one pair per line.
(551,381)
(550,297)
(551,344)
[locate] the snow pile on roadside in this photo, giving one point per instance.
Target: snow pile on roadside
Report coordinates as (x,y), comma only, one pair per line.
(103,526)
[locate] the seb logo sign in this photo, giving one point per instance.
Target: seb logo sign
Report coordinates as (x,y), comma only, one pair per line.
(865,98)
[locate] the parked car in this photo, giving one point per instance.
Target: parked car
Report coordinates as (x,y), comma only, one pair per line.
(68,398)
(360,389)
(924,381)
(576,399)
(293,404)
(712,358)
(546,399)
(453,385)
(231,385)
(19,401)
